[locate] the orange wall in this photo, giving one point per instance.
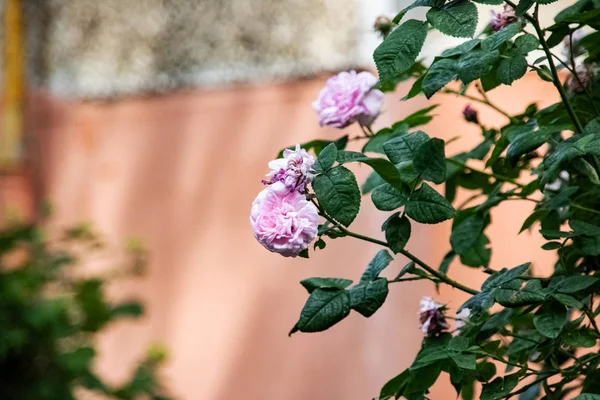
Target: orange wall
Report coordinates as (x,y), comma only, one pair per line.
(180,171)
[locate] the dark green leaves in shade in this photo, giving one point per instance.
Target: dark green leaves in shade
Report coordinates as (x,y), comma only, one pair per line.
(499,387)
(338,193)
(428,206)
(430,161)
(400,49)
(323,309)
(397,232)
(550,319)
(455,19)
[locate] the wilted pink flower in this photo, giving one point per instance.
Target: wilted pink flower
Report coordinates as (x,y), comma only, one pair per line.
(349,97)
(503,19)
(432,318)
(284,223)
(470,114)
(585,76)
(461,320)
(292,172)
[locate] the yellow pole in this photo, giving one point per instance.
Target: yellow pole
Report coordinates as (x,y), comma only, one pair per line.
(14,84)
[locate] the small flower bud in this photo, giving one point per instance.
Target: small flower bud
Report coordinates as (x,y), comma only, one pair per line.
(432,318)
(461,320)
(470,114)
(383,25)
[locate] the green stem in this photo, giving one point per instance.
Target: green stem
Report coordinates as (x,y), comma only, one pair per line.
(406,253)
(556,80)
(574,73)
(592,318)
(490,174)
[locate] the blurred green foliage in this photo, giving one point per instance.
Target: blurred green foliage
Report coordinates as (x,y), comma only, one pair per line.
(50,314)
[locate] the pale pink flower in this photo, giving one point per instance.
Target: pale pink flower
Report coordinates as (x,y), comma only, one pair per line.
(349,97)
(461,320)
(503,19)
(432,318)
(292,172)
(284,223)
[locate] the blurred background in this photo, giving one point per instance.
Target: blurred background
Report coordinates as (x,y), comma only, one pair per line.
(156,119)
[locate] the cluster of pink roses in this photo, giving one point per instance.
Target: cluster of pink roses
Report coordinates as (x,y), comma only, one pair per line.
(284,221)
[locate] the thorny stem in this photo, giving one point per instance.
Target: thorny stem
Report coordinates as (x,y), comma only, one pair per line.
(441,277)
(556,80)
(490,174)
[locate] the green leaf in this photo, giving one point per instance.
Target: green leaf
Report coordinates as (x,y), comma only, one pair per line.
(403,148)
(535,216)
(338,193)
(128,309)
(504,276)
(397,232)
(497,38)
(323,309)
(446,261)
(588,245)
(415,90)
(479,254)
(580,338)
(499,387)
(318,145)
(525,44)
(387,198)
(372,182)
(511,294)
(439,75)
(400,49)
(587,396)
(461,48)
(311,284)
(568,301)
(464,360)
(550,319)
(458,19)
(523,7)
(386,170)
(551,246)
(418,118)
(584,228)
(395,386)
(428,206)
(377,264)
(511,69)
(465,232)
(485,371)
(572,284)
(368,296)
(326,158)
(476,64)
(430,161)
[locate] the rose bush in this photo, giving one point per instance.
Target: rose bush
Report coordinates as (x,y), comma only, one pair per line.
(541,329)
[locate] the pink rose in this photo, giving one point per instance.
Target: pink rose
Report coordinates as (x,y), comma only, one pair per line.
(432,318)
(461,320)
(292,172)
(349,97)
(284,223)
